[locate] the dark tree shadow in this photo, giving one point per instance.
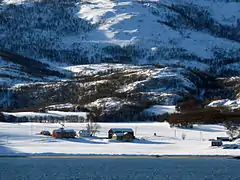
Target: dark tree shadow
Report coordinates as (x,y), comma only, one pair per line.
(136,141)
(204,129)
(88,140)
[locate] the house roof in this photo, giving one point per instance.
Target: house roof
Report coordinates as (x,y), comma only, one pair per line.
(64,130)
(216,141)
(118,134)
(83,130)
(121,129)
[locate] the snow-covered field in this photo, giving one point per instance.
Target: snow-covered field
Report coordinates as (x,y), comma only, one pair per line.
(23,138)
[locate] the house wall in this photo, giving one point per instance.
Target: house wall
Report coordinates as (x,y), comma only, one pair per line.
(63,134)
(110,133)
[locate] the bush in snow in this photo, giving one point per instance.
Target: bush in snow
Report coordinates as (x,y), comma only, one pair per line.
(183,136)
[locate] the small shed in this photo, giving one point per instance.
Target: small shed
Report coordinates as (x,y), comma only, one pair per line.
(119,131)
(45,132)
(217,143)
(64,133)
(84,133)
(123,136)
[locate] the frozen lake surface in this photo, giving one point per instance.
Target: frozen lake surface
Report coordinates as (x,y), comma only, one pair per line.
(119,169)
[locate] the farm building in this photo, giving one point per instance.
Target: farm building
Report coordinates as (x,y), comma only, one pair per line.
(127,136)
(217,143)
(84,133)
(46,133)
(64,133)
(119,131)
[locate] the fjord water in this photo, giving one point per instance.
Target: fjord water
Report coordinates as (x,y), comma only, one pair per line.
(119,169)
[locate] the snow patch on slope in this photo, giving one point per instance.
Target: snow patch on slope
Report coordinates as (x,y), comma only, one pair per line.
(234,104)
(159,110)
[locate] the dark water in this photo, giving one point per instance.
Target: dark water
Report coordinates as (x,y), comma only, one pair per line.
(119,169)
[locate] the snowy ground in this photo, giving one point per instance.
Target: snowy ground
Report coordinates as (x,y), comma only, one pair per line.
(22,138)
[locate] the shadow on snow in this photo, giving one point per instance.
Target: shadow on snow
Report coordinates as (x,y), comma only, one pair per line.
(89,140)
(148,142)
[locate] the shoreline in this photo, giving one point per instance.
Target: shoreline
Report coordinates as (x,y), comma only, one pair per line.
(99,156)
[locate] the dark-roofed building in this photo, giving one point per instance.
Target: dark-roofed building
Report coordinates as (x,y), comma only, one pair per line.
(127,136)
(64,133)
(113,131)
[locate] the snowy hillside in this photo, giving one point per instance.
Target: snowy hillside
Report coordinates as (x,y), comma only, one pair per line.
(27,83)
(121,92)
(15,69)
(119,84)
(201,34)
(47,42)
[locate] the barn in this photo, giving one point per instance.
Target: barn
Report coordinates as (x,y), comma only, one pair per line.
(120,132)
(64,133)
(127,136)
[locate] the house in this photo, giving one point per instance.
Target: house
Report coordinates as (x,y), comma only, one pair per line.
(84,133)
(120,131)
(64,133)
(126,136)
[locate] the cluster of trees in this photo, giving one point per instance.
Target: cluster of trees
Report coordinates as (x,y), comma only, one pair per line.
(42,119)
(221,115)
(32,30)
(233,129)
(35,30)
(190,16)
(203,116)
(196,17)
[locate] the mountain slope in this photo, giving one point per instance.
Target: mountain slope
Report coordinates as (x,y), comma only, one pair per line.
(44,44)
(15,69)
(200,34)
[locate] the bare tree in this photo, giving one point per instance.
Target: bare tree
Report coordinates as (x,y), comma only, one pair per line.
(233,129)
(93,128)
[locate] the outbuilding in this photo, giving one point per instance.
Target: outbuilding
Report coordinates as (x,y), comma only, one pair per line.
(123,136)
(45,132)
(120,132)
(64,133)
(84,133)
(217,143)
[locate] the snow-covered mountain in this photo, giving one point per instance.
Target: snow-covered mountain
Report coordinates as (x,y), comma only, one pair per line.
(201,34)
(15,69)
(164,50)
(122,92)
